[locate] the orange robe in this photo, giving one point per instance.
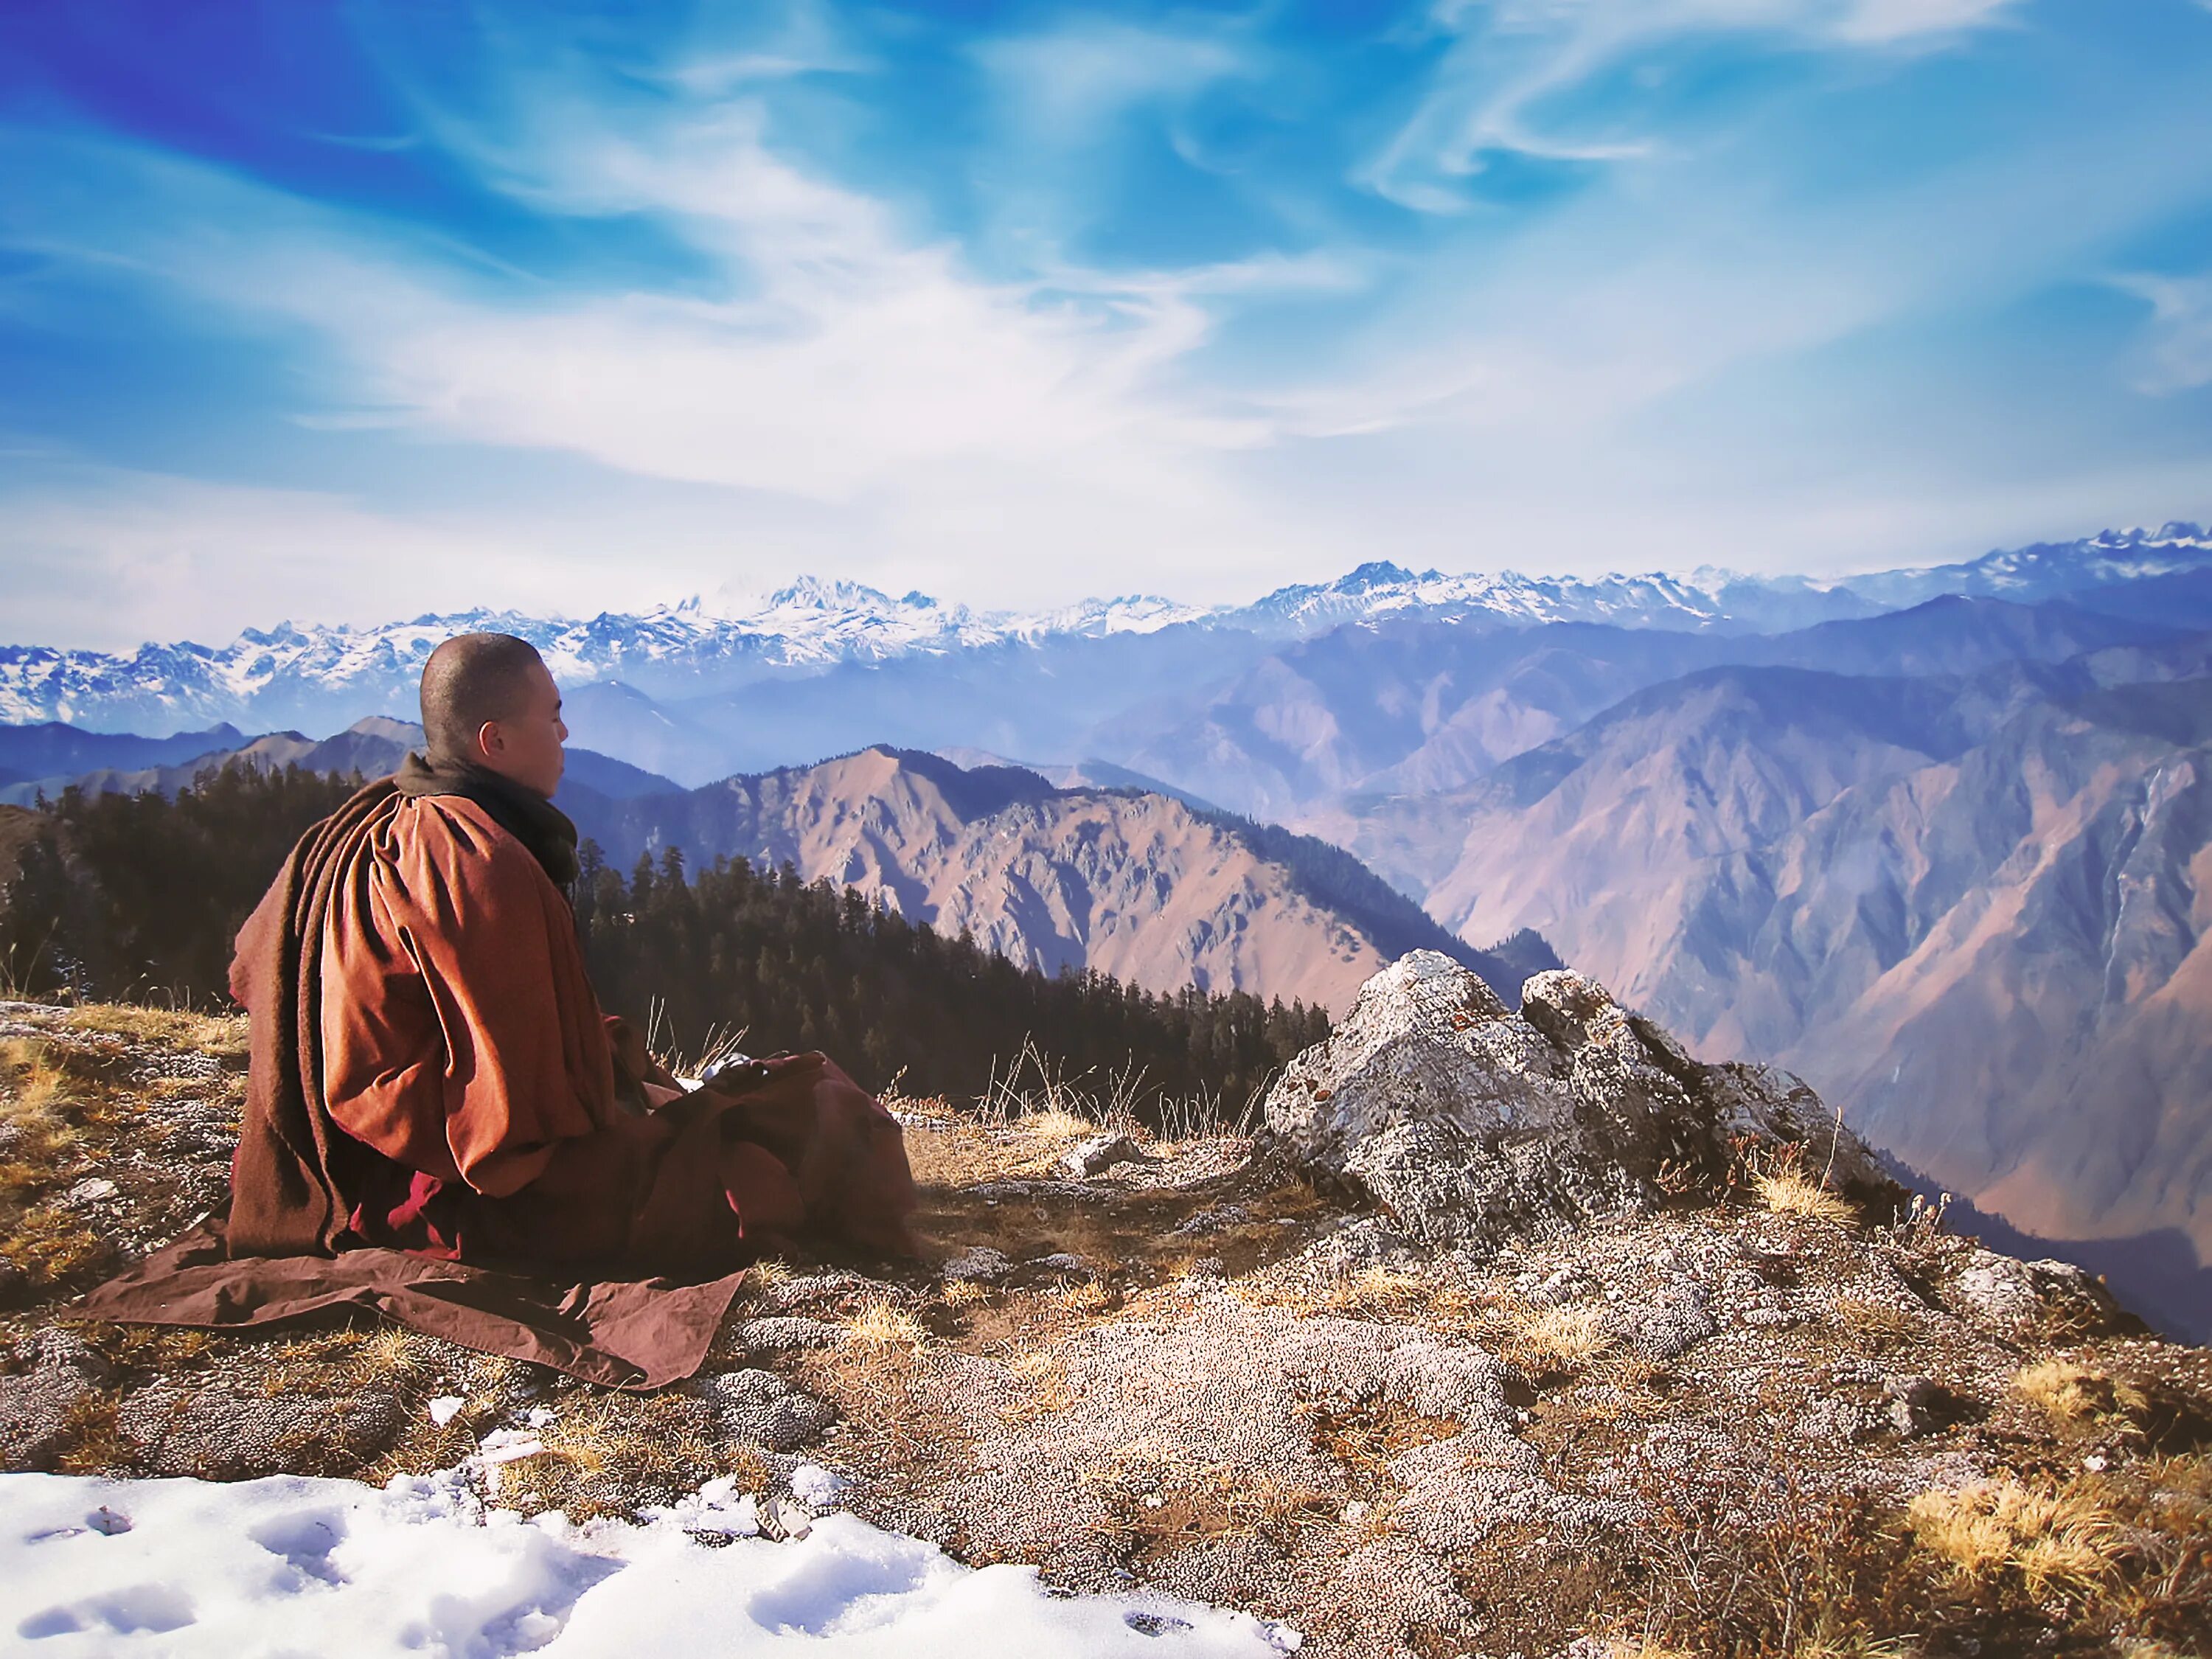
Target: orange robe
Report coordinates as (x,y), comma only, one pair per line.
(445,1032)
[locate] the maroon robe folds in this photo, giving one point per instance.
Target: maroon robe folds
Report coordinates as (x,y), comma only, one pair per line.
(431,1077)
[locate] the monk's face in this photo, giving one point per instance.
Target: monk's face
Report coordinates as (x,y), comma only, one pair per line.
(526,747)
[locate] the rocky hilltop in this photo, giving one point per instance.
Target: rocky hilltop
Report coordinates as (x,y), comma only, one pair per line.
(1515,1333)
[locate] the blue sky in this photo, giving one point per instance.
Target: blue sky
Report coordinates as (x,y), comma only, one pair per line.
(349,311)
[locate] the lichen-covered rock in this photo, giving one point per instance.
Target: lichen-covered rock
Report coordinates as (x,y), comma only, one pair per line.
(2008,1293)
(786,1333)
(1470,1121)
(1097,1154)
(978,1263)
(1673,1324)
(39,1403)
(764,1409)
(218,1434)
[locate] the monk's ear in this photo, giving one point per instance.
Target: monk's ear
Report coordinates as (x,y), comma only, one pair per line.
(490,740)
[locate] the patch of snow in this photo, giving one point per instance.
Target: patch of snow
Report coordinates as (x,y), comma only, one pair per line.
(814,1487)
(187,1568)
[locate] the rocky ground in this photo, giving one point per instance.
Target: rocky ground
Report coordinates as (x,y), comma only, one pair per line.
(1657,1365)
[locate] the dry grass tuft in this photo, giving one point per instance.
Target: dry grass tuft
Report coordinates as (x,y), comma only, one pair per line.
(95,1445)
(2055,1538)
(882,1324)
(1547,1341)
(1787,1190)
(1188,1506)
(1373,1293)
(602,1448)
(1057,1123)
(346,1360)
(1046,1374)
(1876,1323)
(2075,1398)
(1083,1297)
(222,1035)
(1364,1440)
(41,1110)
(35,1090)
(52,1246)
(766,1275)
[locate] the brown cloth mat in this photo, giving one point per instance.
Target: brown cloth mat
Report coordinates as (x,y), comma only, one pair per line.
(622,1333)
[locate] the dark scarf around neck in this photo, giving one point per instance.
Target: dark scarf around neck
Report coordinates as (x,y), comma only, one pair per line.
(524,813)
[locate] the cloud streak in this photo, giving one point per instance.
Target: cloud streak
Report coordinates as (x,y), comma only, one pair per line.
(1508,58)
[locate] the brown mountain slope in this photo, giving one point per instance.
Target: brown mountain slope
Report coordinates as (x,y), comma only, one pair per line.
(1137,885)
(1991,950)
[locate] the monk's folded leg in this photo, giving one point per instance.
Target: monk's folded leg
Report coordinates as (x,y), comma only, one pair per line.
(846,1154)
(759,1191)
(854,1178)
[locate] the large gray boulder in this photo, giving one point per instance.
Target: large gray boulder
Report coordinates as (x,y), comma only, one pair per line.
(1472,1123)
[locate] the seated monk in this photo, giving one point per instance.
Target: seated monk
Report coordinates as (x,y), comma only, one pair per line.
(431,1071)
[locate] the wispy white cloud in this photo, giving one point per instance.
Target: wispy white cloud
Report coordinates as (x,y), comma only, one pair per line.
(840,358)
(1912,20)
(1064,85)
(833,359)
(2178,353)
(1509,56)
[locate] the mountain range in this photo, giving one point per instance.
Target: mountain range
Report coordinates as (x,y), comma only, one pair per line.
(670,683)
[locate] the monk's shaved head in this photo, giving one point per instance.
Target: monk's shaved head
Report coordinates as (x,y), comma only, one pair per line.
(470,679)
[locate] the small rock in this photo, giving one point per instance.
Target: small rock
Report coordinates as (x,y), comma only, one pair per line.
(763,1409)
(1672,1325)
(1101,1152)
(1211,1221)
(2007,1292)
(1154,1624)
(1914,1403)
(93,1189)
(1844,1421)
(38,1404)
(978,1264)
(781,1522)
